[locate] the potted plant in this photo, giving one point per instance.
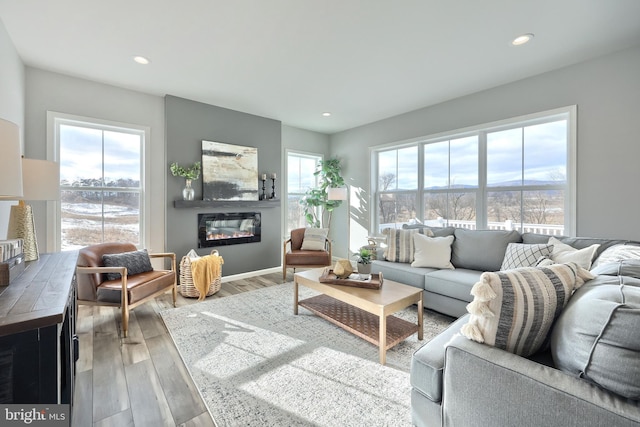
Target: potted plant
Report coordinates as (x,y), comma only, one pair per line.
(317,206)
(189,173)
(363,257)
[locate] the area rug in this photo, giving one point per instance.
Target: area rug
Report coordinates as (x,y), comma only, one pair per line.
(255,363)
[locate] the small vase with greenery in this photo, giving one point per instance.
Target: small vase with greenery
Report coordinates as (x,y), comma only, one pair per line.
(364,257)
(189,173)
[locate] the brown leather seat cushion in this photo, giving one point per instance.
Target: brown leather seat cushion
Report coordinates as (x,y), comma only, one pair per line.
(139,286)
(301,257)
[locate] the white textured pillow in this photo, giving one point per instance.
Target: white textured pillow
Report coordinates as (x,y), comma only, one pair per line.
(520,255)
(434,252)
(314,239)
(563,253)
(514,310)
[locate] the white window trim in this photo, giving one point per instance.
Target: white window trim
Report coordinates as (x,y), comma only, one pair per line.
(285,184)
(53,154)
(525,120)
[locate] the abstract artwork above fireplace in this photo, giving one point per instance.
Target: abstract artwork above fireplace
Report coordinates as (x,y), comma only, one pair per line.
(229,172)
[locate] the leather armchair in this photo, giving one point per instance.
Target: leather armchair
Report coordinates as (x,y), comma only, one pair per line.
(295,257)
(127,292)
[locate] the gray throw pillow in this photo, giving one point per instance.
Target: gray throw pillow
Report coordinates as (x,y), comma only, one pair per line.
(597,336)
(135,261)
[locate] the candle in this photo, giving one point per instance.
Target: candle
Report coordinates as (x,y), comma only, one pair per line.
(264,176)
(273,176)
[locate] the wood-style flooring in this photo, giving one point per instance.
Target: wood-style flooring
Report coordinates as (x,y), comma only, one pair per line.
(140,380)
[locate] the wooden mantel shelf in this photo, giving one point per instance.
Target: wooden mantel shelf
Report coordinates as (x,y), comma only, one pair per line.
(196,204)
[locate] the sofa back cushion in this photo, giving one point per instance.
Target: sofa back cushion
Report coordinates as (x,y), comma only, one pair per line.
(597,336)
(481,249)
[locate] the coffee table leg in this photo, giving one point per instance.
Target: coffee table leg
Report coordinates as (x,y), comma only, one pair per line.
(382,340)
(420,317)
(295,297)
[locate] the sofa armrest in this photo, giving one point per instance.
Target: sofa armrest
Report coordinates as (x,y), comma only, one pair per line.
(483,385)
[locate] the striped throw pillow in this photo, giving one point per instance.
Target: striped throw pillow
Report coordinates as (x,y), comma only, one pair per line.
(400,246)
(514,310)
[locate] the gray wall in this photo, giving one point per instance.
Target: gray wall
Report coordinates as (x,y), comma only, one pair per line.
(187,124)
(65,94)
(12,88)
(607,93)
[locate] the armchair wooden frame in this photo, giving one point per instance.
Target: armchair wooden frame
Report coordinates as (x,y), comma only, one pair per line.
(294,266)
(124,302)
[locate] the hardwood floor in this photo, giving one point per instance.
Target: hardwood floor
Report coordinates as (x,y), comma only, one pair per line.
(140,380)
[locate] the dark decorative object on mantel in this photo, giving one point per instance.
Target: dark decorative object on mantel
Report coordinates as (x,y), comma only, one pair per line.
(273,186)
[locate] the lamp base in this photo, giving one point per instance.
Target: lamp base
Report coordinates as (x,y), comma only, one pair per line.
(22,226)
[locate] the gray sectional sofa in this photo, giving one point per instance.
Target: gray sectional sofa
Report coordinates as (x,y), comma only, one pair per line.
(589,375)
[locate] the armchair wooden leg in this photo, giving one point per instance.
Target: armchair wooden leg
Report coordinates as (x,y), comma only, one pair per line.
(284,272)
(125,321)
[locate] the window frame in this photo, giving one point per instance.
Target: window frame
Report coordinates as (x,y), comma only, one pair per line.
(568,113)
(54,120)
(303,154)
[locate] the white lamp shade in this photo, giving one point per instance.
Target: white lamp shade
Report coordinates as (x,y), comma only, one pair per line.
(41,179)
(339,193)
(10,164)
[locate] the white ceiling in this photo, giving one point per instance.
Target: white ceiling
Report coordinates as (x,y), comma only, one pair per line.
(291,60)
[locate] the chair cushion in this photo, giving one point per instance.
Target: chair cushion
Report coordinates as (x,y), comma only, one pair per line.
(135,261)
(302,258)
(91,256)
(139,286)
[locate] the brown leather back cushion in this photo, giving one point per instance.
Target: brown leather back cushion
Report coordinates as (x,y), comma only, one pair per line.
(297,236)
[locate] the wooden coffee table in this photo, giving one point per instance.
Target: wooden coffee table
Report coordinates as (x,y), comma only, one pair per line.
(364,312)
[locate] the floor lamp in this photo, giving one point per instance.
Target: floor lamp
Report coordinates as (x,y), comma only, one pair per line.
(41,181)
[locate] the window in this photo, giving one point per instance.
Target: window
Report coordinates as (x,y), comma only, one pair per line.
(101,182)
(514,174)
(300,177)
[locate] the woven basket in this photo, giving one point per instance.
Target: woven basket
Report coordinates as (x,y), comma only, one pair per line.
(187,288)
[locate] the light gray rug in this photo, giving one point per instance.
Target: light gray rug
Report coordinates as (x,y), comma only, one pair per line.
(257,364)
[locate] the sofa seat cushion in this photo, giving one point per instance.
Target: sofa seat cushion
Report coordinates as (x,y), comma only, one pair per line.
(427,362)
(139,286)
(481,249)
(597,336)
(301,257)
(401,272)
(452,283)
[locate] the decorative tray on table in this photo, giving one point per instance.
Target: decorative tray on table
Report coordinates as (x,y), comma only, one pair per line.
(373,282)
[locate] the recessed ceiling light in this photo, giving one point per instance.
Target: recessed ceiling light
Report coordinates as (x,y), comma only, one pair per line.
(326,114)
(522,39)
(141,60)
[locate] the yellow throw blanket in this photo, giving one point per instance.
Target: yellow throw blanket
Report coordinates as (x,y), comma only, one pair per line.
(205,270)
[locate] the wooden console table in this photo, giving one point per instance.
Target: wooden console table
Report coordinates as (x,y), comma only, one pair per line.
(38,346)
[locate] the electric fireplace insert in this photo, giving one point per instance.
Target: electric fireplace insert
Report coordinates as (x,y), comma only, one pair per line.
(219,229)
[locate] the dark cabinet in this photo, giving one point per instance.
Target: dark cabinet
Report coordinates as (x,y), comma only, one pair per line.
(38,347)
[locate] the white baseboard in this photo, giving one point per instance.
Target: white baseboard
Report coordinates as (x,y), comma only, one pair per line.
(251,274)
